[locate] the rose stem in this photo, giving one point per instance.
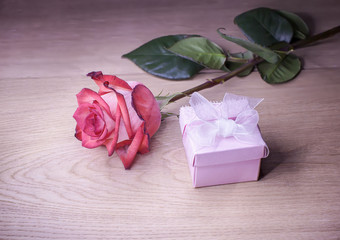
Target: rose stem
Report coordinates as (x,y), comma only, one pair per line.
(253,62)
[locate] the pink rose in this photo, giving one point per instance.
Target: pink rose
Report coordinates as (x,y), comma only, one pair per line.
(122,116)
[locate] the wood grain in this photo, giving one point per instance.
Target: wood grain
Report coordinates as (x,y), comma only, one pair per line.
(52,188)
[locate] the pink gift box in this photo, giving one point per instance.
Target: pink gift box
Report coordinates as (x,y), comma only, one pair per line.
(228,160)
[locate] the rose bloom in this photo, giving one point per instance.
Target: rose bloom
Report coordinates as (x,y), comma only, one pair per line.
(122,116)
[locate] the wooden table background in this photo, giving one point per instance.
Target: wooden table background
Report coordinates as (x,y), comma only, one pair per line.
(52,188)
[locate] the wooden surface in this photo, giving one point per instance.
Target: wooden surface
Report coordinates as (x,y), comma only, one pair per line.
(52,188)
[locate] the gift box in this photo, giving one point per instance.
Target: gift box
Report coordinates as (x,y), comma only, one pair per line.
(222,140)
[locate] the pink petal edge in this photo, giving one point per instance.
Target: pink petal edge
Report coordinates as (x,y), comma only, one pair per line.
(113,81)
(147,108)
(127,154)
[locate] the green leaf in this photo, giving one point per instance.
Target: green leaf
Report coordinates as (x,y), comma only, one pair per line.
(164,100)
(201,51)
(154,58)
(281,46)
(232,63)
(301,29)
(286,69)
(265,53)
(264,26)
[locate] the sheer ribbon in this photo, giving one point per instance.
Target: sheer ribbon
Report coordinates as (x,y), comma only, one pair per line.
(233,117)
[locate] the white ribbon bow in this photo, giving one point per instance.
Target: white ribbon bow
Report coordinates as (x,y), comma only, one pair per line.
(233,117)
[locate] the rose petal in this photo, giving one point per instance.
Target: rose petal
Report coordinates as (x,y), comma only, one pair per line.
(123,100)
(125,114)
(93,121)
(123,143)
(147,108)
(110,124)
(111,99)
(122,134)
(128,154)
(78,133)
(89,142)
(81,114)
(89,96)
(112,142)
(94,125)
(145,145)
(132,84)
(135,120)
(114,82)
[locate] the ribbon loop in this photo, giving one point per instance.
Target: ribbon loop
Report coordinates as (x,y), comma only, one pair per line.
(204,109)
(233,117)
